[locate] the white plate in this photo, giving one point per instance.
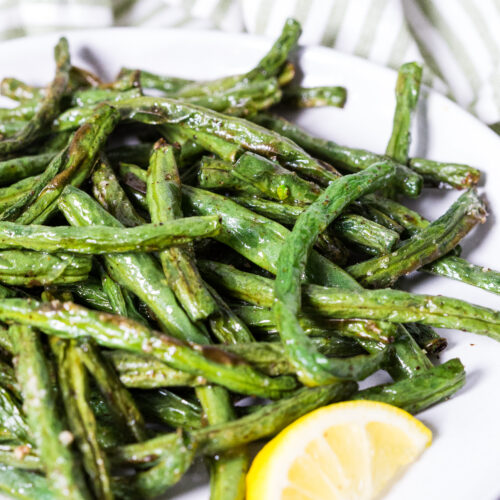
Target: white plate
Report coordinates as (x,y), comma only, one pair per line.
(463,461)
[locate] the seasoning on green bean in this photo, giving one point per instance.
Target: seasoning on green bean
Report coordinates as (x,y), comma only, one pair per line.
(313,97)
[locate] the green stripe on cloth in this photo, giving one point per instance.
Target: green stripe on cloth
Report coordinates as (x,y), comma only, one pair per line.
(369,29)
(220,11)
(453,41)
(400,46)
(301,10)
(335,18)
(265,9)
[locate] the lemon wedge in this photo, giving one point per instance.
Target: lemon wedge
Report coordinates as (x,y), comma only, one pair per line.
(346,451)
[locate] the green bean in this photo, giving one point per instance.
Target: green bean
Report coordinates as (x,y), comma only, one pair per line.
(327,244)
(217,174)
(226,326)
(102,239)
(13,210)
(461,270)
(21,113)
(227,469)
(374,238)
(262,423)
(21,91)
(449,266)
(27,268)
(171,467)
(17,192)
(412,221)
(144,372)
(274,181)
(407,91)
(73,383)
(259,291)
(111,196)
(267,67)
(49,107)
(67,320)
(80,159)
(119,400)
(344,158)
(403,307)
(313,368)
(456,175)
(157,111)
(137,154)
(109,434)
(6,346)
(7,376)
(18,90)
(287,74)
(138,273)
(313,97)
(164,200)
(114,293)
(48,431)
(271,358)
(228,151)
(241,101)
(386,304)
(135,180)
(262,319)
(16,454)
(25,485)
(87,97)
(418,393)
(93,96)
(427,338)
(12,420)
(374,214)
(17,169)
(148,373)
(436,240)
(168,408)
(254,175)
(164,196)
(279,212)
(91,294)
(167,84)
(11,128)
(246,233)
(120,302)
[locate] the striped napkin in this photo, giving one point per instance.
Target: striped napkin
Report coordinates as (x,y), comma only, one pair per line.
(458,41)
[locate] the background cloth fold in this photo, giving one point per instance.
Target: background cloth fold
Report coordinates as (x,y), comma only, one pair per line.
(458,41)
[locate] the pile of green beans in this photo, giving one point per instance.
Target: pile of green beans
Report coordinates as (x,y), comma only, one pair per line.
(148,286)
